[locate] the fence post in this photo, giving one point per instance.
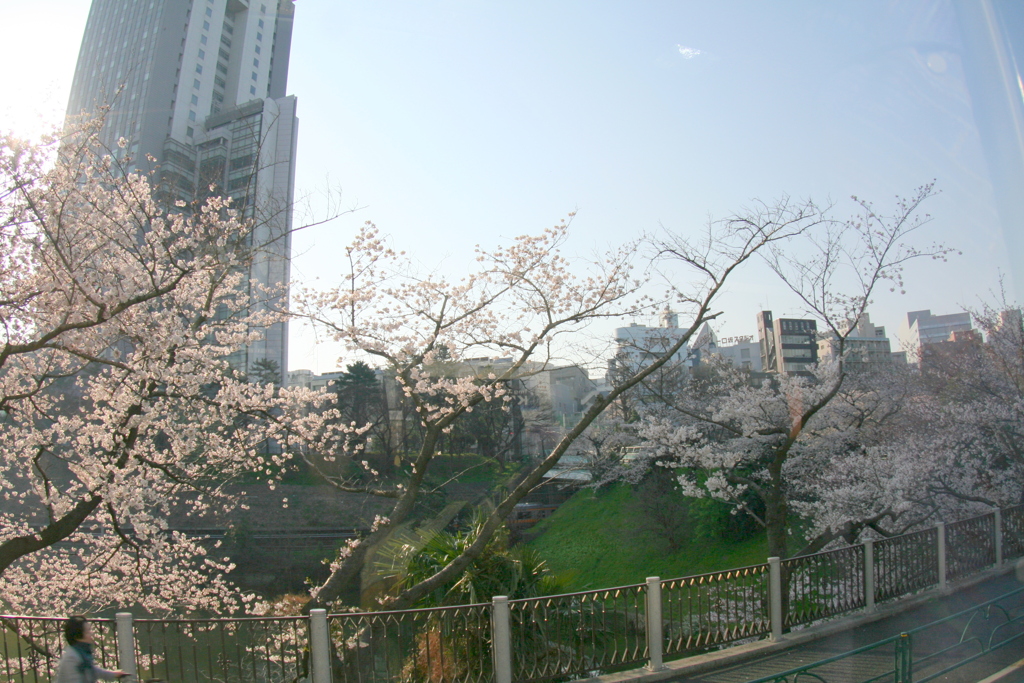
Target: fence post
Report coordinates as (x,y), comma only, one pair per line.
(502,639)
(869,576)
(775,596)
(126,644)
(654,635)
(320,646)
(941,526)
(999,537)
(904,664)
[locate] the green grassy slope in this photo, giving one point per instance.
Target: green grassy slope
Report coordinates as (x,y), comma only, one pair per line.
(604,538)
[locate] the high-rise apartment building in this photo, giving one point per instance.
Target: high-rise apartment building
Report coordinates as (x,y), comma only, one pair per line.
(199,85)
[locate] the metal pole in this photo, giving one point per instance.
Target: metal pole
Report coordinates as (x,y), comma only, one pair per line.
(502,639)
(942,555)
(654,635)
(126,644)
(869,576)
(775,596)
(320,645)
(999,537)
(904,664)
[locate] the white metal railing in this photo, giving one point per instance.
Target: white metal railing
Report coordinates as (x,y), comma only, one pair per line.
(566,635)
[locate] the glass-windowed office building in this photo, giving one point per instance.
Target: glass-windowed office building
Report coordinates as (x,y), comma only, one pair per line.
(199,85)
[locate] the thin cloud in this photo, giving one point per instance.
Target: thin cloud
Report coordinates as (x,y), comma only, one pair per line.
(688,52)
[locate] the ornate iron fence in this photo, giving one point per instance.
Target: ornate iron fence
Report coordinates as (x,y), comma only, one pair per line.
(906,564)
(32,646)
(970,546)
(560,636)
(1013,531)
(578,633)
(246,650)
(823,585)
(711,609)
(440,645)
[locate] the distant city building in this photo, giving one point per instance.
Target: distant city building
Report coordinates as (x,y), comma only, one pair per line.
(921,328)
(961,344)
(637,346)
(559,391)
(307,379)
(199,86)
(866,345)
(787,344)
(740,352)
(563,390)
(1010,325)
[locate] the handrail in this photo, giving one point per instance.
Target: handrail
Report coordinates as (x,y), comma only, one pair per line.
(805,669)
(965,611)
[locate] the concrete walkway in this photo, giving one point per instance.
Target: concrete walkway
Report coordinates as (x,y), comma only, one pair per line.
(864,666)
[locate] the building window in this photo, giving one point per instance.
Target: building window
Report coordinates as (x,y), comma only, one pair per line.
(202,54)
(195,99)
(202,39)
(206,26)
(257,49)
(252,90)
(199,68)
(189,132)
(263,9)
(192,116)
(254,77)
(195,83)
(209,11)
(261,23)
(256,63)
(259,36)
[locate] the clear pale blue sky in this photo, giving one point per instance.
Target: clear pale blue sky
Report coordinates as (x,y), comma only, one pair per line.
(460,122)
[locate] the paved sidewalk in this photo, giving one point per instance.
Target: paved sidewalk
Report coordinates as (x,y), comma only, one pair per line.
(863,666)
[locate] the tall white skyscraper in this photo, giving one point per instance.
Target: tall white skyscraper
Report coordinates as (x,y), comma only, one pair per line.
(199,85)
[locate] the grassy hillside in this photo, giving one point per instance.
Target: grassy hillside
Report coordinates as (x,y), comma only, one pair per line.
(607,538)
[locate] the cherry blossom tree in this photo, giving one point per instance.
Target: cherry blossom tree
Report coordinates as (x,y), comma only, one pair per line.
(813,448)
(517,304)
(118,319)
(971,414)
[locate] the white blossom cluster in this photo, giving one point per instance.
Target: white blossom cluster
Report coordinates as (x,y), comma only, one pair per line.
(118,315)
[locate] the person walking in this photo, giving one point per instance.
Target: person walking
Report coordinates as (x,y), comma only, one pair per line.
(76,663)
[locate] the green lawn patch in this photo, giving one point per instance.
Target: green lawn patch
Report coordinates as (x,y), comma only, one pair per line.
(606,539)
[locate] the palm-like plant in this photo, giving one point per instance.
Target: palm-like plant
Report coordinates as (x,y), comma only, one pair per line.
(451,644)
(517,572)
